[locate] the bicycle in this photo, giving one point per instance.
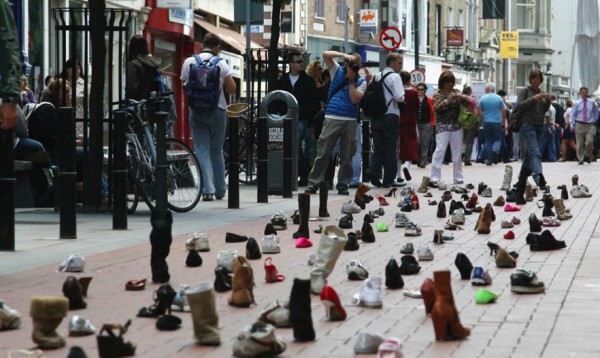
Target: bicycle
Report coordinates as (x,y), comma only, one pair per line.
(247,152)
(184,179)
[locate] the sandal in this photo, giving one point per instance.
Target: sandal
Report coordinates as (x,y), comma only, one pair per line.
(135,285)
(319,230)
(271,273)
(110,345)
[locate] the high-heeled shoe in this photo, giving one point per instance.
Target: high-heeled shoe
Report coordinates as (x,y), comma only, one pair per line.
(428,295)
(493,248)
(85,283)
(414,202)
(163,298)
(391,193)
(382,201)
(271,273)
(446,322)
(111,345)
(333,307)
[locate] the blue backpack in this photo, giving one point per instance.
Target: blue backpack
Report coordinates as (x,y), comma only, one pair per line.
(203,86)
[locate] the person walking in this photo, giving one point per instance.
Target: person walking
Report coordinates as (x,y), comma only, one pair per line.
(384,129)
(493,112)
(533,105)
(584,116)
(345,92)
(208,127)
(547,143)
(425,123)
(407,130)
(298,83)
(568,137)
(446,104)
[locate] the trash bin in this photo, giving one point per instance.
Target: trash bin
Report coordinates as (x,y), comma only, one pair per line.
(277,106)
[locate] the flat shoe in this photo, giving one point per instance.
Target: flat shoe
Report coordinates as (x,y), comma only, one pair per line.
(135,285)
(412,292)
(168,323)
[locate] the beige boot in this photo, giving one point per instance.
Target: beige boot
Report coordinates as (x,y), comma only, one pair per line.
(201,299)
(242,284)
(258,340)
(508,172)
(424,185)
(331,245)
(575,180)
(561,211)
(528,192)
(47,313)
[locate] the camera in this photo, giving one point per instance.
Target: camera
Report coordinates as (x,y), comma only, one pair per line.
(355,66)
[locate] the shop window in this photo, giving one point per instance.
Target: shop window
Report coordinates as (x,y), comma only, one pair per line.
(320,8)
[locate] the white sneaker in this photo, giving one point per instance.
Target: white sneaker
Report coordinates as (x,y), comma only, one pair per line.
(458,217)
(350,207)
(370,294)
(74,263)
(578,192)
(487,192)
(356,271)
(180,302)
(197,242)
(270,245)
(79,327)
(226,258)
(401,220)
(424,253)
(9,317)
(412,229)
(390,348)
(442,185)
(367,343)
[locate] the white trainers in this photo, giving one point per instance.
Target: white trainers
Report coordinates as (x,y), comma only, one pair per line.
(79,327)
(356,271)
(412,229)
(367,343)
(270,245)
(279,221)
(401,220)
(390,348)
(226,258)
(350,207)
(487,192)
(424,253)
(180,302)
(197,242)
(74,263)
(578,192)
(370,294)
(458,217)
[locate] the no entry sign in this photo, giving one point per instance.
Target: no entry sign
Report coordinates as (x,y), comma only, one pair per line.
(390,38)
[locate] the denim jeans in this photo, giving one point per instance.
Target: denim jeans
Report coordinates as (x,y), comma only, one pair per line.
(304,137)
(27,146)
(384,132)
(208,133)
(532,136)
(547,143)
(480,146)
(492,134)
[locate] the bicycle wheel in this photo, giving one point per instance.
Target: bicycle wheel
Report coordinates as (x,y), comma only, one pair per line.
(184,179)
(132,193)
(133,196)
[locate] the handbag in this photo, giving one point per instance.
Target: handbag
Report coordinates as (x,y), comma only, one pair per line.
(514,121)
(467,119)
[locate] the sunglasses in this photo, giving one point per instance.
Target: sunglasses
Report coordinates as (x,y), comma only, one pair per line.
(299,61)
(420,89)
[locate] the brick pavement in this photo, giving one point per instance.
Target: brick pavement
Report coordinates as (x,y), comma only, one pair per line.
(564,321)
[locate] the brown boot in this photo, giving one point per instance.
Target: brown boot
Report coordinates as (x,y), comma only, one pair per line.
(361,191)
(201,299)
(242,284)
(575,180)
(444,315)
(47,313)
(424,185)
(85,283)
(485,220)
(561,211)
(529,192)
(472,201)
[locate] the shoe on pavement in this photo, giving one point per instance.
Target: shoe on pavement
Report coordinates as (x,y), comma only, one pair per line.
(484,296)
(350,207)
(279,221)
(270,245)
(480,277)
(424,253)
(356,271)
(407,249)
(390,347)
(367,343)
(525,281)
(370,294)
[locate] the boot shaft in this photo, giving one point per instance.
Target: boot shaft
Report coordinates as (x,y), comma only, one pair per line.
(201,299)
(424,185)
(441,282)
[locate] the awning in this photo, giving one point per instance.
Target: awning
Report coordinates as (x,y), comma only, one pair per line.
(232,38)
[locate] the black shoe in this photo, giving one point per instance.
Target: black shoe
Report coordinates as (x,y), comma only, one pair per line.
(73,291)
(231,237)
(406,174)
(300,311)
(546,242)
(467,164)
(252,249)
(193,259)
(393,278)
(270,230)
(368,218)
(368,235)
(222,279)
(346,222)
(353,186)
(303,182)
(361,203)
(374,180)
(580,163)
(409,265)
(343,190)
(441,211)
(311,189)
(464,265)
(352,243)
(208,197)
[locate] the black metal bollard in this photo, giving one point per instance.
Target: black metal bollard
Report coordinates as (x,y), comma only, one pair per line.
(7,191)
(233,199)
(288,160)
(366,146)
(68,172)
(160,118)
(119,172)
(262,163)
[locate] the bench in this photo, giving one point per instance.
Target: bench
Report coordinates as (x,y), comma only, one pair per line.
(23,195)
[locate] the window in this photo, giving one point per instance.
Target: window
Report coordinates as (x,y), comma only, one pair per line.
(461,18)
(320,8)
(525,15)
(450,17)
(341,11)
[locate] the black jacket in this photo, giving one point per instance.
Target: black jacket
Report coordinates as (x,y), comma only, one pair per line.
(305,92)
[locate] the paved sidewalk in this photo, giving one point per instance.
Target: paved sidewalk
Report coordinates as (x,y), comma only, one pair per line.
(564,321)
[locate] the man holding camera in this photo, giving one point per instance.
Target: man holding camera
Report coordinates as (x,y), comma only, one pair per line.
(345,92)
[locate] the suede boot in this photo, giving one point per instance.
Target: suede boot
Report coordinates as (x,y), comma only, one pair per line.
(561,211)
(47,313)
(528,192)
(485,220)
(72,290)
(424,185)
(303,213)
(300,311)
(472,203)
(332,243)
(361,191)
(242,284)
(160,240)
(444,315)
(201,299)
(508,173)
(428,294)
(323,194)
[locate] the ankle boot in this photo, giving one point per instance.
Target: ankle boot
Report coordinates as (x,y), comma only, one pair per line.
(528,192)
(258,340)
(535,225)
(472,203)
(561,211)
(368,235)
(85,283)
(361,191)
(300,311)
(564,193)
(47,313)
(444,315)
(332,243)
(242,284)
(222,279)
(304,211)
(393,279)
(424,185)
(428,294)
(548,205)
(441,210)
(252,250)
(485,220)
(352,243)
(437,237)
(72,290)
(323,194)
(575,180)
(481,187)
(508,173)
(201,299)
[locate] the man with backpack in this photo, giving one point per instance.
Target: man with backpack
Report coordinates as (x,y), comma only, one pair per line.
(384,125)
(206,78)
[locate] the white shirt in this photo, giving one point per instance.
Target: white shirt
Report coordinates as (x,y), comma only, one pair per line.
(394,84)
(225,71)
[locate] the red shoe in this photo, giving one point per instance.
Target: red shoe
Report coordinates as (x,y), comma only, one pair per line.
(509,207)
(303,242)
(510,235)
(428,294)
(414,202)
(271,273)
(333,307)
(382,201)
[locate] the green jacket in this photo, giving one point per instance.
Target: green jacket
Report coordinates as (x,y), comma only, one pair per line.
(10,67)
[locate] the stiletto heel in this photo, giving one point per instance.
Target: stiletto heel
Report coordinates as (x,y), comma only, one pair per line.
(493,248)
(382,201)
(271,273)
(162,301)
(333,307)
(391,193)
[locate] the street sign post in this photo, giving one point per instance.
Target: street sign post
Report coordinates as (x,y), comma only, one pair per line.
(390,38)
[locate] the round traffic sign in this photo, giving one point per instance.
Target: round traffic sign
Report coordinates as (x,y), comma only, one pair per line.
(390,38)
(416,76)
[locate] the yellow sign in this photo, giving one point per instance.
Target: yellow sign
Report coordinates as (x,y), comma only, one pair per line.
(509,44)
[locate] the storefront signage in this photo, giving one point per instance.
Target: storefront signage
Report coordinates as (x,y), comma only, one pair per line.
(173,4)
(368,21)
(509,44)
(182,16)
(454,37)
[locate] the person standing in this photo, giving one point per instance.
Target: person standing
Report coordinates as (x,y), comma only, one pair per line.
(584,116)
(425,123)
(446,104)
(547,144)
(533,105)
(141,68)
(559,124)
(568,138)
(407,131)
(493,112)
(208,127)
(384,129)
(303,88)
(345,92)
(471,133)
(81,90)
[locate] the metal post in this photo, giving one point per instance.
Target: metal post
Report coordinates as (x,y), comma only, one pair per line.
(119,172)
(233,199)
(287,158)
(160,119)
(346,25)
(7,192)
(68,172)
(416,22)
(366,146)
(262,166)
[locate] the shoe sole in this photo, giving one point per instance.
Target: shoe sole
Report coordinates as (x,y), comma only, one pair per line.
(407,252)
(353,276)
(370,305)
(479,282)
(525,289)
(427,258)
(271,251)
